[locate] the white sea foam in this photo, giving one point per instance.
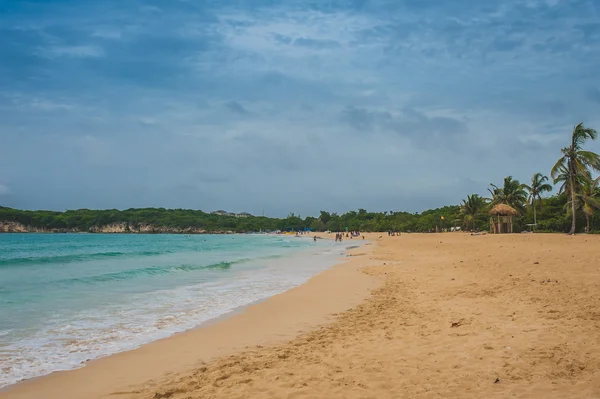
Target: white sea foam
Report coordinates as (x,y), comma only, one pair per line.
(64,342)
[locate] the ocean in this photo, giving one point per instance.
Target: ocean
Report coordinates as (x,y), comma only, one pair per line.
(69,298)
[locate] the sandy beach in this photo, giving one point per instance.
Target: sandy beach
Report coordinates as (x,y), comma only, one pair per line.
(419,315)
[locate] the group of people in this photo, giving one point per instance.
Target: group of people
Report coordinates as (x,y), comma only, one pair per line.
(339,236)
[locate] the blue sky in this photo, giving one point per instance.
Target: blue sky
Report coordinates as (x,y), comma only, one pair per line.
(290,106)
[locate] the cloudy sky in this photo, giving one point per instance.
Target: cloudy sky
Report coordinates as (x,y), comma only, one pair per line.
(290,106)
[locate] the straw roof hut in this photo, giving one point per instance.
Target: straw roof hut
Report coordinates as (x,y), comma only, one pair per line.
(503,220)
(504,210)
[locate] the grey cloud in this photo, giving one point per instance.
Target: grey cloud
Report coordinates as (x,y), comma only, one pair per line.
(506,44)
(591,31)
(4,190)
(236,108)
(205,177)
(282,39)
(362,119)
(315,43)
(423,130)
(258,151)
(593,94)
(169,115)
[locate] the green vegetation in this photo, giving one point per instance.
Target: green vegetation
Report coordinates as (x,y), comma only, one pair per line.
(470,209)
(576,202)
(578,192)
(574,167)
(511,193)
(165,220)
(551,217)
(589,200)
(537,188)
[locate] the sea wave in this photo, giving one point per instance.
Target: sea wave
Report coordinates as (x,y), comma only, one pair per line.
(64,337)
(145,271)
(36,260)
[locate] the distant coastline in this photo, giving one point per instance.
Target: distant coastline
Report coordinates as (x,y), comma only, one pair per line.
(134,221)
(113,228)
(190,221)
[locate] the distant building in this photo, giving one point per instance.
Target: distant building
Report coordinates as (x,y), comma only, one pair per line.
(221,212)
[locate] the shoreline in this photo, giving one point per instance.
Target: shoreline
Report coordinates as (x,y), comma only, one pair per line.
(456,316)
(247,276)
(424,315)
(210,339)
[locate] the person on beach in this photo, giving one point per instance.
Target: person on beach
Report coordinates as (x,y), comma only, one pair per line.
(315,239)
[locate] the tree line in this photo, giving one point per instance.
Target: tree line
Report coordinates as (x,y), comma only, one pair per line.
(84,220)
(575,204)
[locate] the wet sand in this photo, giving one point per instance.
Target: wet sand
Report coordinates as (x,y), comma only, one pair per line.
(449,315)
(277,319)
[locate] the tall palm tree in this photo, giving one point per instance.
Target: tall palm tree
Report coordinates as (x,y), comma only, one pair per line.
(589,199)
(579,181)
(576,162)
(470,208)
(538,186)
(511,193)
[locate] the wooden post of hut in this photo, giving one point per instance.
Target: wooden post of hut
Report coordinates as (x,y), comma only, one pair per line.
(503,221)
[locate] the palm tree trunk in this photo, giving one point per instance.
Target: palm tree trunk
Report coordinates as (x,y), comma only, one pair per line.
(534,215)
(572,183)
(587,219)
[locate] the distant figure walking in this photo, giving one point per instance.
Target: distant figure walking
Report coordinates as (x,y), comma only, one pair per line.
(315,239)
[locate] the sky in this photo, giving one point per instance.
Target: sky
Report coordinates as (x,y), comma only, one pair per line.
(287,106)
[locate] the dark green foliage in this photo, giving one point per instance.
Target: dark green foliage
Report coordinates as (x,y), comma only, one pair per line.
(163,219)
(471,211)
(574,167)
(551,216)
(511,193)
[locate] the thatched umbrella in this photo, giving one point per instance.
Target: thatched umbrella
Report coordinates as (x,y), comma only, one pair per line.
(504,218)
(503,210)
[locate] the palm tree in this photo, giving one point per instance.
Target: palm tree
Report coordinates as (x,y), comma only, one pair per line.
(538,186)
(562,176)
(576,162)
(589,199)
(511,193)
(470,208)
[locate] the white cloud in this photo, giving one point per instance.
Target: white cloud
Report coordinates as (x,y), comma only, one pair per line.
(107,32)
(48,105)
(85,51)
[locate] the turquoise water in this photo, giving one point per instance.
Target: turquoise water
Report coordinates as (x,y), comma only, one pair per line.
(69,298)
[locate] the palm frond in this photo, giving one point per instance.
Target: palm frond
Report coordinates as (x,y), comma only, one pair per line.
(558,167)
(589,159)
(580,135)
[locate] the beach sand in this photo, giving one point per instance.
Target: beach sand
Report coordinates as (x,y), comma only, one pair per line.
(448,315)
